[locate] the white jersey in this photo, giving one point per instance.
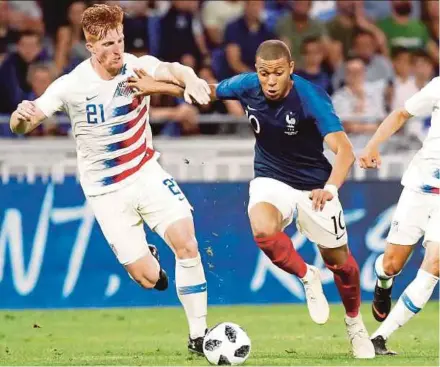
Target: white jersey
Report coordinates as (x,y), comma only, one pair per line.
(423,173)
(111,128)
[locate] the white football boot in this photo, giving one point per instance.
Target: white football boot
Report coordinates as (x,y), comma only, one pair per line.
(316,302)
(358,335)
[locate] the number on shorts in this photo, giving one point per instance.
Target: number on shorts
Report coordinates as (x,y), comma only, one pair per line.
(338,223)
(172,186)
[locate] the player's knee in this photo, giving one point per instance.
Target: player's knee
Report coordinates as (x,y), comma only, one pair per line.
(188,249)
(392,265)
(267,228)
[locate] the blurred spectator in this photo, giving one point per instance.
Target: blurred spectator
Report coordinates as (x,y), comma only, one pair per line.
(54,15)
(350,17)
(423,69)
(13,72)
(181,35)
(401,31)
(40,76)
(432,22)
(70,44)
(182,119)
(216,14)
(359,104)
(377,10)
(323,10)
(312,51)
(243,36)
(7,35)
(26,16)
(136,29)
(404,85)
(293,28)
(377,67)
(274,10)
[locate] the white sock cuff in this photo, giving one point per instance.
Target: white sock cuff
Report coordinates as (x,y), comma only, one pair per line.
(189,263)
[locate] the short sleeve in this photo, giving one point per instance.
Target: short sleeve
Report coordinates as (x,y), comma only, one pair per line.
(422,103)
(235,87)
(319,105)
(149,64)
(52,100)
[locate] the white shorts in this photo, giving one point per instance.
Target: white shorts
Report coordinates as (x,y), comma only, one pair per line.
(154,198)
(417,214)
(326,228)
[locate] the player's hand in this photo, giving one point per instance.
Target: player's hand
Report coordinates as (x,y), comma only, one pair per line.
(26,110)
(144,84)
(370,158)
(319,197)
(198,90)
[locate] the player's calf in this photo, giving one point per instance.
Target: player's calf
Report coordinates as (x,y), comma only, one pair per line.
(387,266)
(145,271)
(190,276)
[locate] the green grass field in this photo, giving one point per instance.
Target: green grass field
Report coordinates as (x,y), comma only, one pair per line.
(281,335)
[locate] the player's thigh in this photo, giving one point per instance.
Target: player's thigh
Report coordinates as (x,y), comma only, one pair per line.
(410,218)
(163,203)
(432,233)
(432,239)
(325,228)
(271,205)
(431,259)
(121,225)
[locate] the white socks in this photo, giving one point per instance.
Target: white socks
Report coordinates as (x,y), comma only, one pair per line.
(411,301)
(192,293)
(383,280)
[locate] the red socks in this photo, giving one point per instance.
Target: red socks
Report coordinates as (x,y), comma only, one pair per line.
(279,249)
(347,279)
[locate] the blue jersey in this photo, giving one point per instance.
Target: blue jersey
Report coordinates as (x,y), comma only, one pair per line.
(289,133)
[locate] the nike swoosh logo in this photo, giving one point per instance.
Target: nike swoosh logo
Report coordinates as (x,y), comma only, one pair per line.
(339,237)
(382,315)
(181,199)
(89,98)
(251,109)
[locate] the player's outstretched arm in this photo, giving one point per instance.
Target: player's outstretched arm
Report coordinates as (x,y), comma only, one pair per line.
(370,157)
(195,87)
(145,85)
(26,118)
(30,114)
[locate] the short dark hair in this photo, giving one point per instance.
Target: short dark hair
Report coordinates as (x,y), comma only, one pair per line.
(29,34)
(273,50)
(422,54)
(363,32)
(308,41)
(397,51)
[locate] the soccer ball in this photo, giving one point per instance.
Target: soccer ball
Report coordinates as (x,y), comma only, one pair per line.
(226,344)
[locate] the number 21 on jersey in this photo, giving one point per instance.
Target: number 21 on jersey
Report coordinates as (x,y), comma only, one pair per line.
(95,113)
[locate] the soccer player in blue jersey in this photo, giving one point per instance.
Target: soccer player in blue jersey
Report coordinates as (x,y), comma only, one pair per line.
(291,119)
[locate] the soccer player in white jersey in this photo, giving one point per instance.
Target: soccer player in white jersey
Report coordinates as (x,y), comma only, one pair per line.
(417,214)
(117,164)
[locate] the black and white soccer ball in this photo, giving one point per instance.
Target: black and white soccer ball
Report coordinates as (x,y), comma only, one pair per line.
(226,344)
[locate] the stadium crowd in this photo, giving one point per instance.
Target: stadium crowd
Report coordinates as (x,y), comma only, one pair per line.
(370,56)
